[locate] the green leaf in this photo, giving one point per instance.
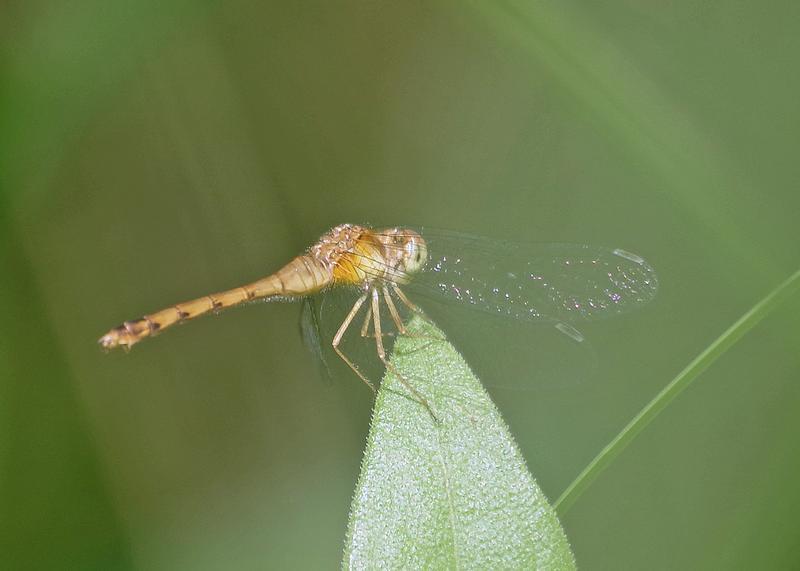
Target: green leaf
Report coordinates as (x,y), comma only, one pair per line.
(449,494)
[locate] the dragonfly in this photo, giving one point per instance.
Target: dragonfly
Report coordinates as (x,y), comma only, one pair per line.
(557,284)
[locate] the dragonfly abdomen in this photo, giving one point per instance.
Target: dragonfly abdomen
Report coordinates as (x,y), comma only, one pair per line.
(302,276)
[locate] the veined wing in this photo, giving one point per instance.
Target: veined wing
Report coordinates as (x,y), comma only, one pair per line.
(534,282)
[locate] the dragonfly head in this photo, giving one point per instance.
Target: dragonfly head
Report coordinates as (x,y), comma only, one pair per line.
(416,252)
(409,250)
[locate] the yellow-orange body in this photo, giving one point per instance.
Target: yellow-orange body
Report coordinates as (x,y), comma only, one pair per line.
(346,255)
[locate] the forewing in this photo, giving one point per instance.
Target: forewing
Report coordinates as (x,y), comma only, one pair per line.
(533,282)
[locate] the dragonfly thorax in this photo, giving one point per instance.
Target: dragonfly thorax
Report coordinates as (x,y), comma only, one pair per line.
(362,256)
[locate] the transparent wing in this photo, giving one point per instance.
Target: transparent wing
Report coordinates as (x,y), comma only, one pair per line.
(313,336)
(533,282)
(468,277)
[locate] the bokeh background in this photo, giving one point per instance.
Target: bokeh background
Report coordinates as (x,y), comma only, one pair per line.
(156,151)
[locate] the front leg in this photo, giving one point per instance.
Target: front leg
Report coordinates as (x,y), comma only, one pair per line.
(376,320)
(340,333)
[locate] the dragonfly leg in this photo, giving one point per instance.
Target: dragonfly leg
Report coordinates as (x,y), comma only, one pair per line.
(367,322)
(376,320)
(413,307)
(340,333)
(405,300)
(401,329)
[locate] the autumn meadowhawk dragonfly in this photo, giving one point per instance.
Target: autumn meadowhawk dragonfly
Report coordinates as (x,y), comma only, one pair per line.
(389,269)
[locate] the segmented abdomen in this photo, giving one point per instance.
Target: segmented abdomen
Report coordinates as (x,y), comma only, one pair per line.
(304,275)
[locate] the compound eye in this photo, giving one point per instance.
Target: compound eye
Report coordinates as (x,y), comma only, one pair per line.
(416,255)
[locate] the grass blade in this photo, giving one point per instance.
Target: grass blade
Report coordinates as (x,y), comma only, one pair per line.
(674,388)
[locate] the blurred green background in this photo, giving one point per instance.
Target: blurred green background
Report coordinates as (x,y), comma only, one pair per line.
(156,151)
